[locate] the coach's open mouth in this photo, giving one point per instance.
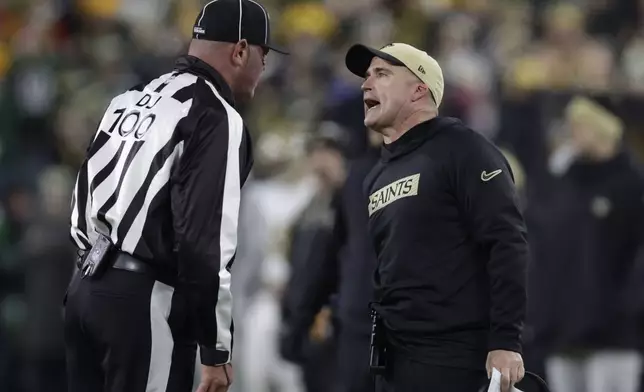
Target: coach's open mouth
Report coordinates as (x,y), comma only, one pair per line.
(371,103)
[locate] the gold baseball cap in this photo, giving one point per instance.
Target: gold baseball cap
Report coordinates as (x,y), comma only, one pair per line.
(595,116)
(417,61)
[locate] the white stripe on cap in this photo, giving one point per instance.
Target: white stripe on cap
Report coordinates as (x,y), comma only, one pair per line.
(203,13)
(240,18)
(265,21)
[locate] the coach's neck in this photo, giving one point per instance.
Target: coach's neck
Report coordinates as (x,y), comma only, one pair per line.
(407,122)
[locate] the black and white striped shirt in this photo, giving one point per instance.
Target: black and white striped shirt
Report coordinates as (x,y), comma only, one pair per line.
(162,179)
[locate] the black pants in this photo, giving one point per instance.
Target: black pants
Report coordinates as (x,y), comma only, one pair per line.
(407,375)
(126,333)
(353,373)
(319,366)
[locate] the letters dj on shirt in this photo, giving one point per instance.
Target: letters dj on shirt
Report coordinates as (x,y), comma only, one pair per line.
(404,187)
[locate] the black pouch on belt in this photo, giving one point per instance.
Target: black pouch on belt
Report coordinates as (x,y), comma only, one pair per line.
(97,259)
(378,353)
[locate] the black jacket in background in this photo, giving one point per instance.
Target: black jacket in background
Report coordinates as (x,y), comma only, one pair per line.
(354,253)
(334,260)
(309,277)
(585,290)
(451,245)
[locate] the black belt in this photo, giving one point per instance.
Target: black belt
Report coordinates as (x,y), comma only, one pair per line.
(125,261)
(122,261)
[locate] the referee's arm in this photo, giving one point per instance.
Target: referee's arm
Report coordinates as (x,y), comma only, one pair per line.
(205,206)
(491,207)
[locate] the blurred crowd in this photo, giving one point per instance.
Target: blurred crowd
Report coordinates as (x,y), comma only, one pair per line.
(511,69)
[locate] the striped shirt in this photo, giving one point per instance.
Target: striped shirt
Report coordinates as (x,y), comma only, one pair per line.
(162,179)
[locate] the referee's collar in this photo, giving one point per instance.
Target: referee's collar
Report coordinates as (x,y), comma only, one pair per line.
(199,67)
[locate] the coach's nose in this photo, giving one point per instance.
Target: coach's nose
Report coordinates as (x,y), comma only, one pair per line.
(366,85)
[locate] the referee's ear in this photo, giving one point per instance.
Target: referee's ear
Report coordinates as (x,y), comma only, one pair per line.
(241,53)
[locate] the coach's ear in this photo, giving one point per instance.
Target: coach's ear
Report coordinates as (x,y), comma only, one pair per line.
(421,91)
(240,53)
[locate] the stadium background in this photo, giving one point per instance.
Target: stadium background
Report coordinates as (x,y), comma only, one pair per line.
(510,67)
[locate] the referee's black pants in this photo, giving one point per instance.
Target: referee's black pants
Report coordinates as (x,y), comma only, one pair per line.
(404,374)
(126,333)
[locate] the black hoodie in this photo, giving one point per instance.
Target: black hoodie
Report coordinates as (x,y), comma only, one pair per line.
(451,245)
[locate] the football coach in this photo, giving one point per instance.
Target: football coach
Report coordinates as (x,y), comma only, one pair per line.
(450,293)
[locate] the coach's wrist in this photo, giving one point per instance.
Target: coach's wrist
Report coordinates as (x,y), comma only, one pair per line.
(211,356)
(505,343)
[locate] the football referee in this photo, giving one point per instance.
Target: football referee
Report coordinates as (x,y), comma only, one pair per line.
(449,236)
(155,212)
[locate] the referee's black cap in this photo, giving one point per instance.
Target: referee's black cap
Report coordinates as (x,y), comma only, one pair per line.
(234,20)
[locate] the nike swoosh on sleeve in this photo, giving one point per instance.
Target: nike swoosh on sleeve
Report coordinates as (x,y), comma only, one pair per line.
(485,176)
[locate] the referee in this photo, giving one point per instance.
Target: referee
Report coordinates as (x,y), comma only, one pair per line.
(450,240)
(155,212)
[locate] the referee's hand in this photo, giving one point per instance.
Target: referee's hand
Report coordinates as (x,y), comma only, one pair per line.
(215,378)
(509,363)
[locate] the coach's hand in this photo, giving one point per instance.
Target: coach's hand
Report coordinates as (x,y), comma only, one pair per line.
(509,363)
(215,378)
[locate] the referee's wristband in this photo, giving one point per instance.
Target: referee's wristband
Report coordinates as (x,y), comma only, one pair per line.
(211,356)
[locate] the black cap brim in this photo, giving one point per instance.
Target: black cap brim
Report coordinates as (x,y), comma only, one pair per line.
(277,49)
(359,58)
